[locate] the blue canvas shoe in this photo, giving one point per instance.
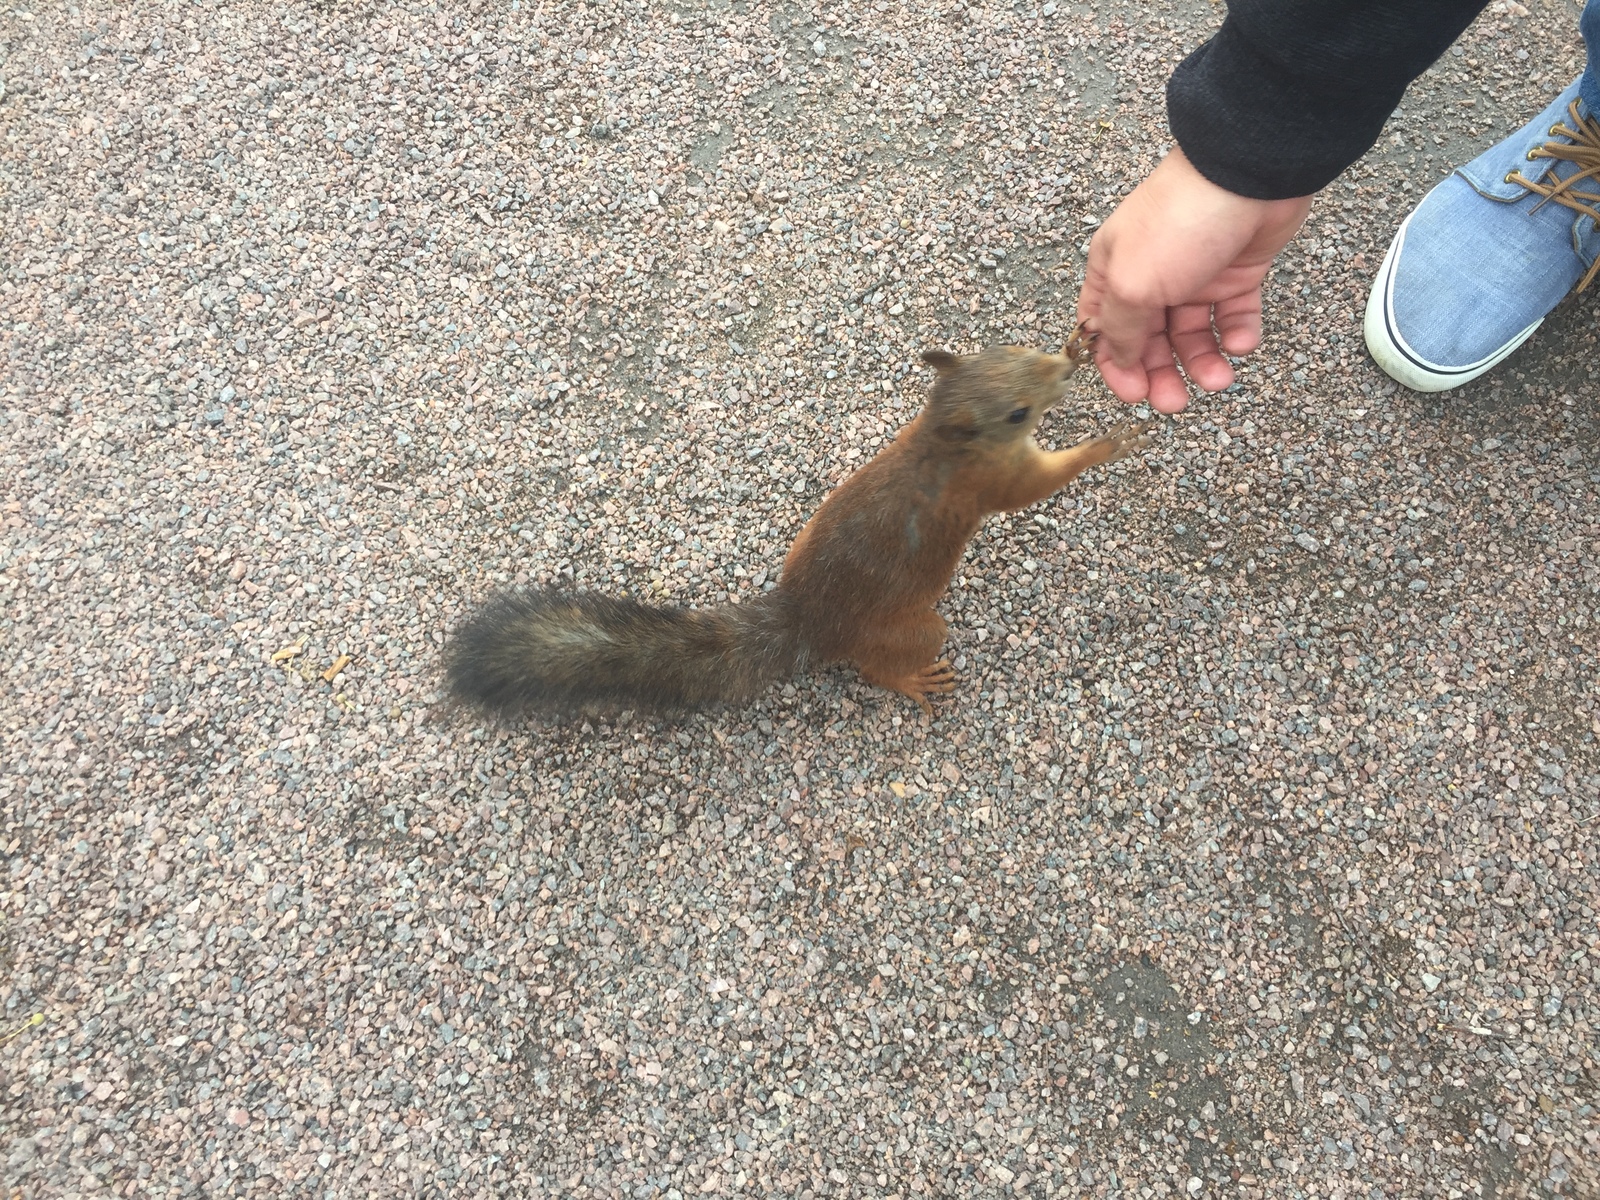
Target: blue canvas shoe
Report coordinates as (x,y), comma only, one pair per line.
(1490,251)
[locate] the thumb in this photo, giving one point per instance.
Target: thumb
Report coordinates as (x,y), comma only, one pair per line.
(1125,330)
(1115,342)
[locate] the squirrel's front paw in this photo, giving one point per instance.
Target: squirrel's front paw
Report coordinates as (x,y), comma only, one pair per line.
(1080,343)
(1127,437)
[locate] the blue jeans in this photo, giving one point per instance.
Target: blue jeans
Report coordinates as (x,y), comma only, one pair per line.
(1589,88)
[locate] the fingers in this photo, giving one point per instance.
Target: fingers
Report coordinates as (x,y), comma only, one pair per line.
(1168,393)
(1238,322)
(1153,376)
(1197,336)
(1202,333)
(1194,341)
(1129,384)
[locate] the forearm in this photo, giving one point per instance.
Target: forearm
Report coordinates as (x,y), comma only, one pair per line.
(1291,92)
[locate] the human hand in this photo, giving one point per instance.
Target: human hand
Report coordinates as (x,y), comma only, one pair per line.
(1175,276)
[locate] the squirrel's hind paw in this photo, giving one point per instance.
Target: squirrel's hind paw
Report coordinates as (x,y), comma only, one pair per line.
(936,680)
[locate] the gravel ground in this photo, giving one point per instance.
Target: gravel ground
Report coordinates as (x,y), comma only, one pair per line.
(1255,855)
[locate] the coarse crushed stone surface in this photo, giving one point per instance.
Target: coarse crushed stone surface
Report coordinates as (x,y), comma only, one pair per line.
(1254,856)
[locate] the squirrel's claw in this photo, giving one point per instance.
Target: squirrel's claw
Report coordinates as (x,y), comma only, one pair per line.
(1080,343)
(937,679)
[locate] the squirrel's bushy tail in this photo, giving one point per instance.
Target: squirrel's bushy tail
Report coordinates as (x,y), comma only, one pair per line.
(562,651)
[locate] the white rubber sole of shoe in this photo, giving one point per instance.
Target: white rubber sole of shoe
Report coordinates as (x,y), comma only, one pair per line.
(1398,360)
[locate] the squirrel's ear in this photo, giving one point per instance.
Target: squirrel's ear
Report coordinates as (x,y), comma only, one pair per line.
(941,360)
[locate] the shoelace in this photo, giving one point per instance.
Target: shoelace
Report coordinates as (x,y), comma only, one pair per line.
(1583,151)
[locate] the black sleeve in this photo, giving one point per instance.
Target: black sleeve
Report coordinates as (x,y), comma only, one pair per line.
(1291,92)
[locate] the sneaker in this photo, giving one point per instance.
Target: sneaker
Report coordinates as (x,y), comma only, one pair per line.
(1488,253)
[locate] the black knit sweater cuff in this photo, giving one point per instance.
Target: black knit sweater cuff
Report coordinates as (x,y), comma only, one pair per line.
(1291,92)
(1252,128)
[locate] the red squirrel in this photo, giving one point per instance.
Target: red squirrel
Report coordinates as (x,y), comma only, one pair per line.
(859,583)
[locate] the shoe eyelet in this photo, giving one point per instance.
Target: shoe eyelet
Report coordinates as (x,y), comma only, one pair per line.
(1511,177)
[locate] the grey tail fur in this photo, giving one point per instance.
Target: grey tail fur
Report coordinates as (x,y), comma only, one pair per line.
(559,651)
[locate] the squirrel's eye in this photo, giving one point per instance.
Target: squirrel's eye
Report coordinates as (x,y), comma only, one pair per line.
(1018,416)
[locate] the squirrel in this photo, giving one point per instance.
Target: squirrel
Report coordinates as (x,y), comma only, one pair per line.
(859,583)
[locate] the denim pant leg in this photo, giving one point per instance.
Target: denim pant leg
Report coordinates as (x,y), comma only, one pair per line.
(1589,86)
